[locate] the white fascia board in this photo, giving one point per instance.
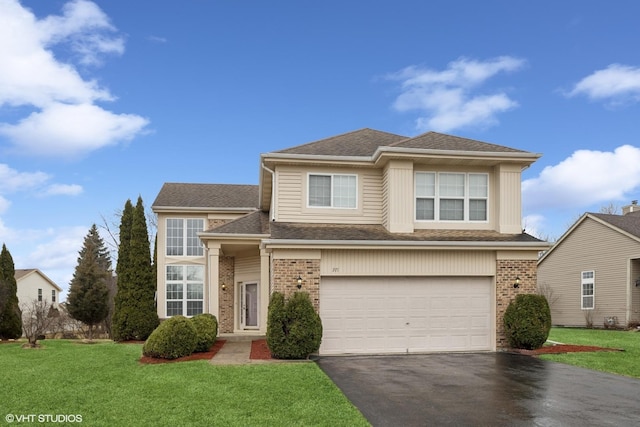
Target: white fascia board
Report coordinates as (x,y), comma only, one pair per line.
(523,156)
(200,209)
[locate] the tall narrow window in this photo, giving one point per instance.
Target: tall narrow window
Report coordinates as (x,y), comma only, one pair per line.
(333,191)
(425,196)
(39,294)
(182,237)
(478,194)
(53,295)
(588,288)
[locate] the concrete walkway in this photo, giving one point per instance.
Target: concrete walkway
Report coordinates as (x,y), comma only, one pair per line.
(237,351)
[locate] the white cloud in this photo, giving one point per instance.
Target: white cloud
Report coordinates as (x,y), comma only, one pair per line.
(616,82)
(31,76)
(63,129)
(12,181)
(63,189)
(448,100)
(585,178)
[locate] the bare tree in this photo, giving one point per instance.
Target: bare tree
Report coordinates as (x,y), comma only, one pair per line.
(37,319)
(546,291)
(611,209)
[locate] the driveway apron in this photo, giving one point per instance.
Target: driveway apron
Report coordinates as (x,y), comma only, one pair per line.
(482,389)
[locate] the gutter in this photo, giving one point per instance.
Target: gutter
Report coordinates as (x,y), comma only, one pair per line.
(273,192)
(406,244)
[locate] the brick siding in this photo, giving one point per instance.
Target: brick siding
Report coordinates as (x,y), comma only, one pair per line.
(506,273)
(285,277)
(225,303)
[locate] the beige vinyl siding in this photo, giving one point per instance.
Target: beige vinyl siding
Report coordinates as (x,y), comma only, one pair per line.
(247,269)
(385,198)
(635,290)
(590,246)
(398,196)
(292,197)
(407,263)
(508,218)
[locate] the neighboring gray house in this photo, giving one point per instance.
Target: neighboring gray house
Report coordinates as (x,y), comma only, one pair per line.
(592,274)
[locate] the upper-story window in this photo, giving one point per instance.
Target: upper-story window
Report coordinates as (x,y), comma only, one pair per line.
(182,237)
(39,294)
(449,196)
(53,295)
(333,191)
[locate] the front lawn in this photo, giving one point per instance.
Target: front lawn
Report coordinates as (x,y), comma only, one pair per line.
(625,362)
(105,384)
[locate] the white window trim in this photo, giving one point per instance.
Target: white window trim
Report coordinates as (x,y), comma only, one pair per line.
(309,206)
(583,281)
(437,197)
(185,235)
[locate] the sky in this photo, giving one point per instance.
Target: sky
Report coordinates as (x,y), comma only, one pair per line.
(105,101)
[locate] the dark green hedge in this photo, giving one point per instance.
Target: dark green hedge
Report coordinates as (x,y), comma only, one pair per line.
(206,326)
(175,337)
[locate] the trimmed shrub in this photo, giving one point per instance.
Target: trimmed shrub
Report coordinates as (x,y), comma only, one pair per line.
(527,321)
(294,329)
(206,326)
(175,337)
(276,336)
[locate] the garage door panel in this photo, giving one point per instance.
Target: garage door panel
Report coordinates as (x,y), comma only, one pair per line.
(402,314)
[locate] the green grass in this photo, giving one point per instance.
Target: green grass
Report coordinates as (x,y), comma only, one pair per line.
(105,384)
(625,362)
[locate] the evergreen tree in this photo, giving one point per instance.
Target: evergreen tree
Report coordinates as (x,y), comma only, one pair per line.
(135,314)
(88,293)
(10,315)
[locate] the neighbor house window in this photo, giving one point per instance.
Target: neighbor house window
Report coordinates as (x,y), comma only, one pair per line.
(53,295)
(39,294)
(185,290)
(182,237)
(448,196)
(332,191)
(587,285)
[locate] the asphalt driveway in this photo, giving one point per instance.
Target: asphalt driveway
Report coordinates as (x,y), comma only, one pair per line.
(482,389)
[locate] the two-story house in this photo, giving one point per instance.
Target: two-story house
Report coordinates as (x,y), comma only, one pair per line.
(404,244)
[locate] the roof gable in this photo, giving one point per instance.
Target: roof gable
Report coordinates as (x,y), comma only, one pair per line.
(184,195)
(24,272)
(627,225)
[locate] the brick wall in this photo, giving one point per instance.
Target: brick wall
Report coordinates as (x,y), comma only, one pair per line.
(226,298)
(285,277)
(506,273)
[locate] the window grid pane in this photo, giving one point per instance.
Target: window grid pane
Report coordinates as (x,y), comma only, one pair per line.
(175,236)
(194,307)
(425,184)
(478,186)
(174,308)
(477,210)
(319,190)
(185,290)
(344,191)
(194,245)
(451,210)
(451,185)
(425,209)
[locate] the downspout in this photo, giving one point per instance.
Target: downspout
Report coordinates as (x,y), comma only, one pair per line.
(273,192)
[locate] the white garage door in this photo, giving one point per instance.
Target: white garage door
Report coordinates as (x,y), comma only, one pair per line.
(405,314)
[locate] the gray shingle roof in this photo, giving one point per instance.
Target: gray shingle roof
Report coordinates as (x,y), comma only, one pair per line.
(629,222)
(440,141)
(363,142)
(378,232)
(258,223)
(207,196)
(253,223)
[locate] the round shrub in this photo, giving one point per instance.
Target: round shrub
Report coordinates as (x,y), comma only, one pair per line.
(294,329)
(175,337)
(206,326)
(527,321)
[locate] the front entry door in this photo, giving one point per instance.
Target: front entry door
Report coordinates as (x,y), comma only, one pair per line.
(249,306)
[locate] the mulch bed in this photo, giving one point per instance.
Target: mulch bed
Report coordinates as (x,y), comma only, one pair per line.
(259,351)
(563,348)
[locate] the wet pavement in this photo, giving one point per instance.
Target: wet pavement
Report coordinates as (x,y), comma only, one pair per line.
(482,389)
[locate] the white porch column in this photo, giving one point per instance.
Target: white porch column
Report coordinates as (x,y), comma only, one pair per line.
(265,288)
(213,269)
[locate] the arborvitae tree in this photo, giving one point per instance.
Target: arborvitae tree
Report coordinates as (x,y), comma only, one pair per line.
(135,314)
(10,315)
(88,293)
